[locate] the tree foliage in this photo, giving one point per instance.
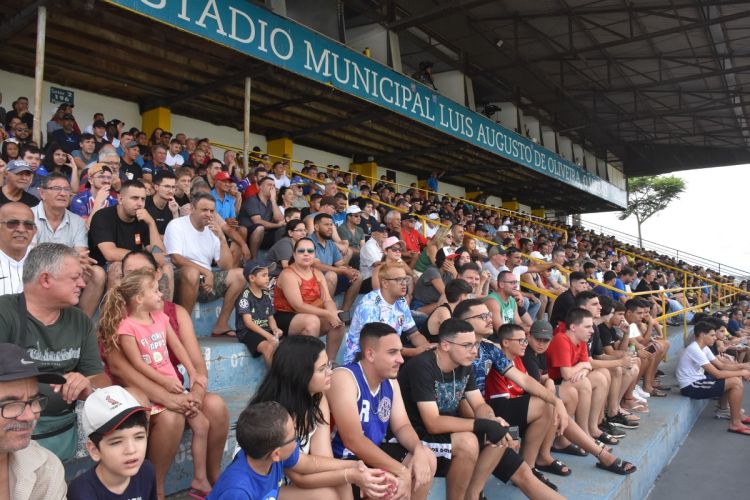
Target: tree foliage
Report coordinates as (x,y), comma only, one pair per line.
(649,195)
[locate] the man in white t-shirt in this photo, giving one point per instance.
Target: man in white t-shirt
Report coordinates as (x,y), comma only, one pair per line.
(701,375)
(371,254)
(194,242)
(17,229)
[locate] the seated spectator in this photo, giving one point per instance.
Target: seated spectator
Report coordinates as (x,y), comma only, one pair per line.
(701,375)
(609,278)
(261,216)
(58,334)
(167,426)
(183,177)
(357,435)
(441,239)
(132,321)
(255,325)
(226,197)
(286,198)
(174,157)
(430,286)
(393,249)
(371,255)
(579,442)
(351,232)
(565,302)
(67,136)
(388,305)
(162,206)
(55,224)
(531,304)
(495,264)
(302,302)
(111,417)
(340,277)
(27,470)
(281,252)
(213,167)
(511,393)
(17,231)
(18,176)
(109,157)
(455,291)
(193,243)
(327,205)
(269,447)
(84,155)
(299,378)
(253,183)
(414,241)
(58,161)
(432,404)
(645,333)
(649,284)
(278,173)
(130,170)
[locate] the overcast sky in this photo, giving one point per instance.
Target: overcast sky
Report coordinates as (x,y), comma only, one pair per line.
(709,219)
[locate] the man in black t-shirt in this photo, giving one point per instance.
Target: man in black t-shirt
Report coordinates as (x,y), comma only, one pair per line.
(162,205)
(433,386)
(648,284)
(115,231)
(565,302)
(129,169)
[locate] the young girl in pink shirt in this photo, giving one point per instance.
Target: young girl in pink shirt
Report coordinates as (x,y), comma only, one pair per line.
(133,322)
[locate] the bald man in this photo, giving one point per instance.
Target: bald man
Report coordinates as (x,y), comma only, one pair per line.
(17,229)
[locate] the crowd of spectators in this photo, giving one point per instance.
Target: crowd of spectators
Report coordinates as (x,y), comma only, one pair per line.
(475,342)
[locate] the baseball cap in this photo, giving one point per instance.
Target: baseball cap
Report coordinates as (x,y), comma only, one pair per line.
(353,210)
(16,365)
(17,166)
(223,176)
(99,123)
(107,408)
(390,241)
(405,217)
(252,266)
(296,180)
(379,228)
(541,330)
(131,144)
(496,250)
(68,116)
(503,229)
(433,216)
(98,167)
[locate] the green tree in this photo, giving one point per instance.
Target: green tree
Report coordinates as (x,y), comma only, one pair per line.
(649,195)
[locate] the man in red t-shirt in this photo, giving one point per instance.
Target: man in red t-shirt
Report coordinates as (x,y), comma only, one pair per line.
(568,364)
(413,239)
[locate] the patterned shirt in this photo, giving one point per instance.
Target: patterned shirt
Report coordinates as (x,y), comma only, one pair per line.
(83,203)
(374,308)
(489,357)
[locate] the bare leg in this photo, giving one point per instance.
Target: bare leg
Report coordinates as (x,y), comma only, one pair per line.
(199,446)
(424,490)
(334,337)
(164,440)
(531,486)
(539,420)
(351,294)
(464,456)
(304,324)
(215,410)
(91,295)
(187,294)
(599,388)
(615,387)
(236,283)
(733,390)
(255,239)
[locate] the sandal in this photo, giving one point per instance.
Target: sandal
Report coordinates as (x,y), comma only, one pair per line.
(745,431)
(658,393)
(543,479)
(607,439)
(603,447)
(555,467)
(571,449)
(619,466)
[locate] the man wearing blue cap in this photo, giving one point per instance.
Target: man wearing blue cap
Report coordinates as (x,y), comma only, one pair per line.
(18,179)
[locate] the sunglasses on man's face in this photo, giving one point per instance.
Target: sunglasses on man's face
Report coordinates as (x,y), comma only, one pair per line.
(15,223)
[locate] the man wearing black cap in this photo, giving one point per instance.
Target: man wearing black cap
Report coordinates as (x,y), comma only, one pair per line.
(99,131)
(129,168)
(19,175)
(27,471)
(66,137)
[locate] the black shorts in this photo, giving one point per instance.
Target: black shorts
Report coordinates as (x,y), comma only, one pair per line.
(515,411)
(251,340)
(283,320)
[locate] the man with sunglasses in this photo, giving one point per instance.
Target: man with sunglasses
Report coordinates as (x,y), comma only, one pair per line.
(19,174)
(509,390)
(17,229)
(27,471)
(387,305)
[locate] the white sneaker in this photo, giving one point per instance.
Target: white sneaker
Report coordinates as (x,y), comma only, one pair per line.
(641,393)
(639,399)
(724,414)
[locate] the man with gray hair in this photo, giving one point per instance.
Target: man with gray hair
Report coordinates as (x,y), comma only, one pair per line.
(58,336)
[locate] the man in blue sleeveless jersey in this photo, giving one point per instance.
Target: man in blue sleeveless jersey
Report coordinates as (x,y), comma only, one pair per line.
(366,403)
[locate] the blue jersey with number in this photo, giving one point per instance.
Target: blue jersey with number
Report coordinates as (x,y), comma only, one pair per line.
(374,411)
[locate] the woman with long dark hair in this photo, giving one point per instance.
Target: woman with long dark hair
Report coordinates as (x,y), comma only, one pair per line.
(299,375)
(57,160)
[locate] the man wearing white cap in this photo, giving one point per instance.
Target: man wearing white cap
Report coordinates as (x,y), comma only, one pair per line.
(27,471)
(352,232)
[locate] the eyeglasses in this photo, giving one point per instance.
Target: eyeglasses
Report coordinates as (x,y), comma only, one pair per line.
(305,250)
(400,281)
(523,341)
(469,346)
(59,189)
(394,249)
(13,409)
(300,229)
(484,316)
(14,223)
(325,368)
(290,440)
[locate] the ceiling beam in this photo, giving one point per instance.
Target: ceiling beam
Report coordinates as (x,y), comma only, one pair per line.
(339,124)
(18,22)
(434,13)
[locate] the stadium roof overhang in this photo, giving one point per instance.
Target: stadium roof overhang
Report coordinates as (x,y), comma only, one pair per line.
(103,48)
(655,85)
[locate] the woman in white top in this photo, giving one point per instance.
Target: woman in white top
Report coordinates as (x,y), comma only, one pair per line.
(297,379)
(701,375)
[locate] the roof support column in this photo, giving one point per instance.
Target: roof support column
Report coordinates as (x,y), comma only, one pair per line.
(539,212)
(280,149)
(159,117)
(368,169)
(511,205)
(245,164)
(41,35)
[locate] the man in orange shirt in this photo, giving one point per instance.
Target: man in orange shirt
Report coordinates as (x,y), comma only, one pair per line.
(413,239)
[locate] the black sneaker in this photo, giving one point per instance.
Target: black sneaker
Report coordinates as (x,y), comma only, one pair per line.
(619,420)
(612,430)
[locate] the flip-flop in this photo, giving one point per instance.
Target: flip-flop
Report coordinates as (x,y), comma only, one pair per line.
(618,467)
(607,439)
(555,467)
(225,333)
(745,431)
(746,420)
(543,479)
(197,494)
(571,449)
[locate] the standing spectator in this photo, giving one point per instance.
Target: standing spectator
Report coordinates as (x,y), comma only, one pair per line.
(56,224)
(162,206)
(18,176)
(261,216)
(58,335)
(17,230)
(27,470)
(193,242)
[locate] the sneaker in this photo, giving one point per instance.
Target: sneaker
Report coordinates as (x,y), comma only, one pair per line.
(612,430)
(621,421)
(724,414)
(638,391)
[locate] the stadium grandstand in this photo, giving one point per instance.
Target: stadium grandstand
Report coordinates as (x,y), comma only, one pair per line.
(334,249)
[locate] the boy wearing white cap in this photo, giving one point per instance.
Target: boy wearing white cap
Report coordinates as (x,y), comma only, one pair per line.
(117,429)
